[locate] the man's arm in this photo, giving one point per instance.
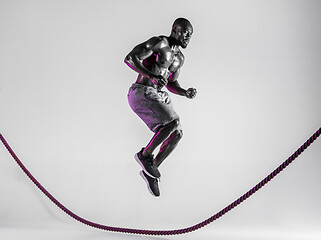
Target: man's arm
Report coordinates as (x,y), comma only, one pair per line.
(174,87)
(140,52)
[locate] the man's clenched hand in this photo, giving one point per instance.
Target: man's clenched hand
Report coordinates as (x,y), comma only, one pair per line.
(191,93)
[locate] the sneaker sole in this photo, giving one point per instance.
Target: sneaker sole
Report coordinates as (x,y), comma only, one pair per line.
(142,165)
(145,179)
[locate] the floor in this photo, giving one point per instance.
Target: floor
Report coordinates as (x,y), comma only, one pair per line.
(61,231)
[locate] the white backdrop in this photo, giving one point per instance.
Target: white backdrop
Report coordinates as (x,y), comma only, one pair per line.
(64,110)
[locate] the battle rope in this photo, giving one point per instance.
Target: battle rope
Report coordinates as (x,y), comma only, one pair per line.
(165,232)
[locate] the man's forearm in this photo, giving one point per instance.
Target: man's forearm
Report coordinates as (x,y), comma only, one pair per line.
(174,87)
(137,66)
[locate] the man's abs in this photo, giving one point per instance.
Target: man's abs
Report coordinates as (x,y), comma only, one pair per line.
(158,71)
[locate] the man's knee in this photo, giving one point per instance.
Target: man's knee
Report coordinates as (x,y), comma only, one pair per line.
(178,134)
(175,124)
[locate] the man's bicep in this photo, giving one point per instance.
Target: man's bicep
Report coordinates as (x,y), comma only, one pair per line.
(145,49)
(173,76)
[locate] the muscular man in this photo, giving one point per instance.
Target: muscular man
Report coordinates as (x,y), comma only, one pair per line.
(157,62)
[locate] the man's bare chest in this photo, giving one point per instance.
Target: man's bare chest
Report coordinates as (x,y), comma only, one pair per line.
(169,59)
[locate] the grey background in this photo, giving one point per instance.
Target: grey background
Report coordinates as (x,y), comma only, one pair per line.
(63,109)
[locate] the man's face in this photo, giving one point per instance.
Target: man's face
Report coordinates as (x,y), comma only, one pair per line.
(184,35)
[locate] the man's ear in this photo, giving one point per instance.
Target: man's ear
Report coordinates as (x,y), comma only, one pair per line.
(174,30)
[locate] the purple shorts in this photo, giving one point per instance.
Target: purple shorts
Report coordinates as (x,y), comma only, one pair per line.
(153,106)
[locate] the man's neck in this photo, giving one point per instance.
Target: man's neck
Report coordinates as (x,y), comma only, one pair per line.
(173,43)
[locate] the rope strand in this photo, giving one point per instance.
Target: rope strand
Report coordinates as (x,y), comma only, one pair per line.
(165,232)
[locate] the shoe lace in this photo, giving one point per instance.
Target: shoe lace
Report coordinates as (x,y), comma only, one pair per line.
(151,163)
(156,180)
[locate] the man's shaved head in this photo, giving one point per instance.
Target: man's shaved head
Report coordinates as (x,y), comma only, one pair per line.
(182,31)
(182,22)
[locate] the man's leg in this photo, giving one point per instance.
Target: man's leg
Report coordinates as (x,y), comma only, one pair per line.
(168,146)
(160,136)
(169,136)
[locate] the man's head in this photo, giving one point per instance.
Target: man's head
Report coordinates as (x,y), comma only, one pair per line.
(182,31)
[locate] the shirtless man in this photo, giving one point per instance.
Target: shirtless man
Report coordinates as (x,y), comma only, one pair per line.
(157,62)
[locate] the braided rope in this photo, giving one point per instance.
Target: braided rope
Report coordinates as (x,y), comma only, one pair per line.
(165,232)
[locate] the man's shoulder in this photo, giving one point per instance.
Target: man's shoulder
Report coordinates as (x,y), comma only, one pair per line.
(181,55)
(157,41)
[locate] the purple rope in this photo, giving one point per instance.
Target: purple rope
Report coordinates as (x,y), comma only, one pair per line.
(165,232)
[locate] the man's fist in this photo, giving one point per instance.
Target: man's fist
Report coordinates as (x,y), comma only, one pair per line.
(191,93)
(159,81)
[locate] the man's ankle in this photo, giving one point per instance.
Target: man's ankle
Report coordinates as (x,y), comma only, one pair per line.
(145,153)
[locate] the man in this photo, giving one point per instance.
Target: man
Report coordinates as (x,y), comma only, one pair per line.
(157,62)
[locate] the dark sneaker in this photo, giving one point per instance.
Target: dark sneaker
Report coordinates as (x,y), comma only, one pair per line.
(147,163)
(152,184)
